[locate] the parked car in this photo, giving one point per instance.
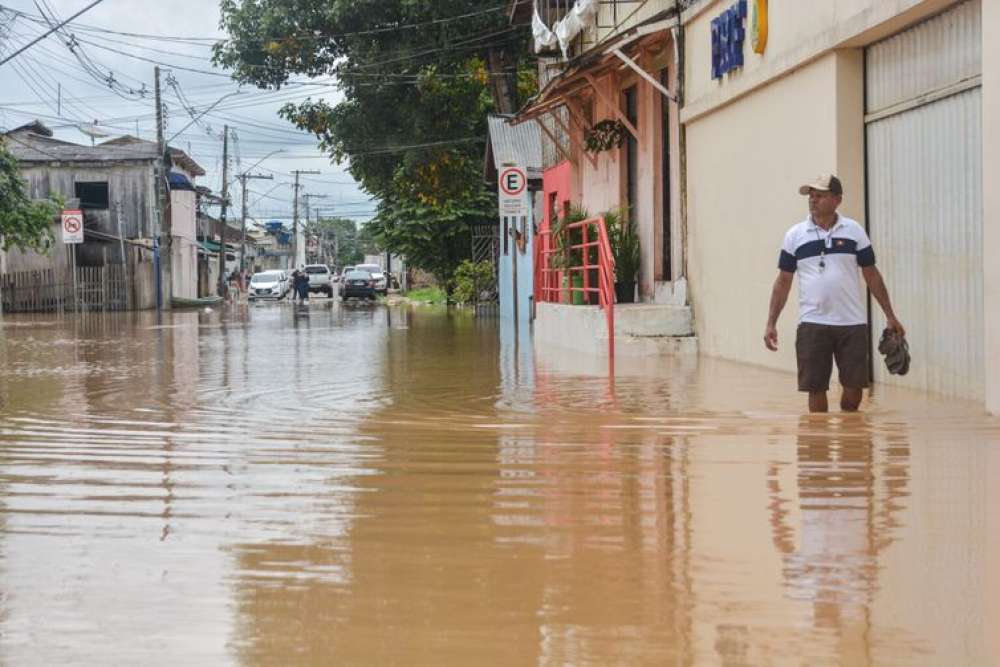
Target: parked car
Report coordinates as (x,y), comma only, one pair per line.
(268,285)
(320,279)
(381,280)
(343,277)
(357,285)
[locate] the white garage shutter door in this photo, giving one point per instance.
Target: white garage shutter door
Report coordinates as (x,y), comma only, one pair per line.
(924,163)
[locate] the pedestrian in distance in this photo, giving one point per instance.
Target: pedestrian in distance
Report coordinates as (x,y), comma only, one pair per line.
(830,253)
(301,284)
(293,293)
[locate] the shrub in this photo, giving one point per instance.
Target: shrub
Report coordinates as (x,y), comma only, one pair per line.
(474,282)
(624,242)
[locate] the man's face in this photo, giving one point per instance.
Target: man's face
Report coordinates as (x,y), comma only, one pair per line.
(823,202)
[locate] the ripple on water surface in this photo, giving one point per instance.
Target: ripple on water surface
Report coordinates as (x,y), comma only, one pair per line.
(272,485)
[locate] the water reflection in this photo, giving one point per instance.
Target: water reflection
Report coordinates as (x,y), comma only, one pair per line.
(845,491)
(362,485)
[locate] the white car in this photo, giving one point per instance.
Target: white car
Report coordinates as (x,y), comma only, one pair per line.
(268,285)
(320,279)
(381,280)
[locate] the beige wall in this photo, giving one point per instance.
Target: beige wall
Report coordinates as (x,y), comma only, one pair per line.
(182,214)
(745,163)
(792,113)
(184,268)
(798,32)
(991,202)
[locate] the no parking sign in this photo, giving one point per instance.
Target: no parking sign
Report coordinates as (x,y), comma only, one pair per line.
(513,188)
(72,226)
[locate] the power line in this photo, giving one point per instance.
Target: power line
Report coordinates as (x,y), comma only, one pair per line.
(32,43)
(467,43)
(301,36)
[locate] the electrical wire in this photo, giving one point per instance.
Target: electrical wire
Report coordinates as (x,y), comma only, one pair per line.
(275,134)
(303,36)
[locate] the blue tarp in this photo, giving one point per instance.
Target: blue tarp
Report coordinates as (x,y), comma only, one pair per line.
(180,182)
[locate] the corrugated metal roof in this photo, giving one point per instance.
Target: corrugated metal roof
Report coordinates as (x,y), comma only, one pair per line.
(34,143)
(515,143)
(30,147)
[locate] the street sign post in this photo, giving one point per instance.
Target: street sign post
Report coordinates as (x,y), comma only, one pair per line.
(513,187)
(72,234)
(72,226)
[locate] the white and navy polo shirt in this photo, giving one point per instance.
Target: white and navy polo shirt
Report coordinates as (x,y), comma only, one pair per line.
(830,288)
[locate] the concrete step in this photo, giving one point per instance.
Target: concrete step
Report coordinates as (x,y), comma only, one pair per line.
(640,329)
(653,320)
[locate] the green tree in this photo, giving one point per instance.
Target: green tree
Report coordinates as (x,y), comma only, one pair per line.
(345,231)
(24,223)
(418,79)
(369,241)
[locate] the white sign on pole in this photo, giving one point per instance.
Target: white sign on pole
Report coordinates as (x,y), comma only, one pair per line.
(513,187)
(72,226)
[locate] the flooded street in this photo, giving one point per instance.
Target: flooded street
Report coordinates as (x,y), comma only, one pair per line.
(364,485)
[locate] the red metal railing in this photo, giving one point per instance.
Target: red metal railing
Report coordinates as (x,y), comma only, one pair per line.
(554,282)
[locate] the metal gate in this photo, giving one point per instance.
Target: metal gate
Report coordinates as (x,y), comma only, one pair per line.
(924,164)
(486,245)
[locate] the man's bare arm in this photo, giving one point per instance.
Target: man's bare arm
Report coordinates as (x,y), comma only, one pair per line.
(779,295)
(878,289)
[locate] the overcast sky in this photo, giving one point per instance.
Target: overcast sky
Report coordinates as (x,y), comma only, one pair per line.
(104,83)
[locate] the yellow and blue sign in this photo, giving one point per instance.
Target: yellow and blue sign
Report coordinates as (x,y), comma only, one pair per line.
(758,26)
(728,36)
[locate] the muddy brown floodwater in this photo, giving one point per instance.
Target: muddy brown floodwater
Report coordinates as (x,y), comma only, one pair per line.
(372,486)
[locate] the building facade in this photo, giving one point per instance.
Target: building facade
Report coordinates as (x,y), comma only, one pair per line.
(512,242)
(890,97)
(114,184)
(619,70)
(893,97)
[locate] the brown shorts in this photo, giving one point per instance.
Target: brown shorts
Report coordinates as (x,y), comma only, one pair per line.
(817,345)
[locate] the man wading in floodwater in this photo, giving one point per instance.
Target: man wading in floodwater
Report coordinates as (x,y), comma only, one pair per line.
(826,249)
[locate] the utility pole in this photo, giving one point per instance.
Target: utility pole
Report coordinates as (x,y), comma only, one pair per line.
(307,197)
(329,240)
(243,222)
(298,246)
(161,239)
(225,205)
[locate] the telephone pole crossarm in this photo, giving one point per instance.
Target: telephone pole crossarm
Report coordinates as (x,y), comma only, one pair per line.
(307,196)
(298,245)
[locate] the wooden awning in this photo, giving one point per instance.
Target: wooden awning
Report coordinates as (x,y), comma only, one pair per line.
(584,72)
(582,75)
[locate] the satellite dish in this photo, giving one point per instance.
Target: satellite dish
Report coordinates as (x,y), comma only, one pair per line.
(92,131)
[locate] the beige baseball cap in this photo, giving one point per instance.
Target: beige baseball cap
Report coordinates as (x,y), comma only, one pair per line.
(825,183)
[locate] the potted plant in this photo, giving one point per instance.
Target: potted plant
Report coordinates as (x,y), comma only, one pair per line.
(625,251)
(604,136)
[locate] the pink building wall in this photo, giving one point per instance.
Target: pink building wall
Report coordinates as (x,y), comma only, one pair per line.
(598,182)
(557,188)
